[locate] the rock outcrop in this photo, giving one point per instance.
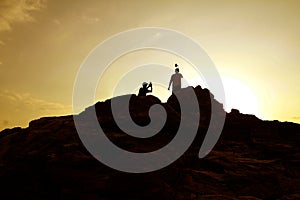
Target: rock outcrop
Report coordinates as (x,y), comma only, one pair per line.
(253,159)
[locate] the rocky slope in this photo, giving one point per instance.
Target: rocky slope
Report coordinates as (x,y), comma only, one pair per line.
(253,159)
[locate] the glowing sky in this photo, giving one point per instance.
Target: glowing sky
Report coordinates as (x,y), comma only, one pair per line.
(43,43)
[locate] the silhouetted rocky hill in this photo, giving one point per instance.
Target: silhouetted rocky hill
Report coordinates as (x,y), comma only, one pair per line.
(253,159)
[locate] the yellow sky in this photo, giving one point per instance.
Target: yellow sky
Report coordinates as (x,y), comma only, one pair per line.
(43,43)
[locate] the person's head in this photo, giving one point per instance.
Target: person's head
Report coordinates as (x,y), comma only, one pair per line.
(177,70)
(145,84)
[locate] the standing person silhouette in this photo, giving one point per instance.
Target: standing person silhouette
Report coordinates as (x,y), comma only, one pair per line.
(175,80)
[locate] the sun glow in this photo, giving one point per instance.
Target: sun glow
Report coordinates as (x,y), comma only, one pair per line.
(238,95)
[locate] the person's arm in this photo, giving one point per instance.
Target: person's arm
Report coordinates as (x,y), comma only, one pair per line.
(150,86)
(171,80)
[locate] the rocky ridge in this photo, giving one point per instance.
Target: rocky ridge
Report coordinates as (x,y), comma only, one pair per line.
(253,159)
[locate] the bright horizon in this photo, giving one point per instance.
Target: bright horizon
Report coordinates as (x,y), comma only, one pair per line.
(254,45)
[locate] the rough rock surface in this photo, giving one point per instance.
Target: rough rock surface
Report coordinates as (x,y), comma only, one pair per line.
(253,159)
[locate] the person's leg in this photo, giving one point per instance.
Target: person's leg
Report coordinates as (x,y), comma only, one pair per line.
(176,89)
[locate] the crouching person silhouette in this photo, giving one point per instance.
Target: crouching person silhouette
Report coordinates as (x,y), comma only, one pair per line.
(175,81)
(145,89)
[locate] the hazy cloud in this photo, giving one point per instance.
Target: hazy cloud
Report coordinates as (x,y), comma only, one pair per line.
(56,21)
(5,122)
(12,11)
(90,20)
(296,117)
(2,43)
(27,101)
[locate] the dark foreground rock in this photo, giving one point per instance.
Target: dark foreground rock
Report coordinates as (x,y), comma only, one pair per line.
(253,159)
